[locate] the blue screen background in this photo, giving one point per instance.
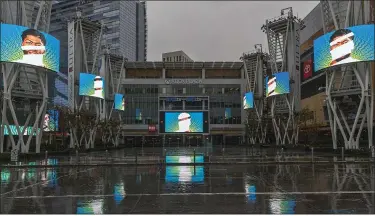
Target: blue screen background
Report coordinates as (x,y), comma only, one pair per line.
(11,51)
(118,102)
(363,46)
(249,100)
(171,122)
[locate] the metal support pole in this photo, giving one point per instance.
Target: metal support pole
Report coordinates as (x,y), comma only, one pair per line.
(312,154)
(342,153)
(136,157)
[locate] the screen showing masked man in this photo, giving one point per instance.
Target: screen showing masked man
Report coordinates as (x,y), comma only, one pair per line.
(98,86)
(184,122)
(123,103)
(341,47)
(33,47)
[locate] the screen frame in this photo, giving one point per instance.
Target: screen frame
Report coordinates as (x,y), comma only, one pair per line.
(31,65)
(206,117)
(343,64)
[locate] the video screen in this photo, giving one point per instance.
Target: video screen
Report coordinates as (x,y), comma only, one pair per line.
(51,120)
(119,102)
(248,100)
(184,159)
(176,174)
(353,44)
(13,130)
(138,114)
(277,84)
(228,113)
(91,85)
(23,45)
(183,122)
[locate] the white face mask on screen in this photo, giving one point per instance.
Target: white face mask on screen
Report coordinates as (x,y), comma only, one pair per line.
(342,50)
(34,59)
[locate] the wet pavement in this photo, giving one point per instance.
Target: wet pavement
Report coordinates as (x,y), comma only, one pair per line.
(256,189)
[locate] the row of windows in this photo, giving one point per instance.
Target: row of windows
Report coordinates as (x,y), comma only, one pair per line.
(213,120)
(181,90)
(176,59)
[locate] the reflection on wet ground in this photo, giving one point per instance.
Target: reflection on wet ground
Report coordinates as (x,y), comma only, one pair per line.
(277,189)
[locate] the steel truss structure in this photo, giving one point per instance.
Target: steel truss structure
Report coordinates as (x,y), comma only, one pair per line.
(24,85)
(255,65)
(85,41)
(353,81)
(283,35)
(114,73)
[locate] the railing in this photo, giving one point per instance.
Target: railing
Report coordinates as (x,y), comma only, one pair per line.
(198,155)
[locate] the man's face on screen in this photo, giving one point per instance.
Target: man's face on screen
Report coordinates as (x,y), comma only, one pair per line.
(31,40)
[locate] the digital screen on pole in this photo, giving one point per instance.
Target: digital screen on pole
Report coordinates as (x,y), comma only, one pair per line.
(184,159)
(228,113)
(248,100)
(277,84)
(13,130)
(51,120)
(138,114)
(23,45)
(119,102)
(91,85)
(353,44)
(176,174)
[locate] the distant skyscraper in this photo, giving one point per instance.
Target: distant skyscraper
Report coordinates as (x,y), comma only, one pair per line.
(126,34)
(126,23)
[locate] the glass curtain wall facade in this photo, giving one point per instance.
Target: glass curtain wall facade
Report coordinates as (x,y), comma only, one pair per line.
(145,98)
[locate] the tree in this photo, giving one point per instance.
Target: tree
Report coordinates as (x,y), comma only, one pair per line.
(309,125)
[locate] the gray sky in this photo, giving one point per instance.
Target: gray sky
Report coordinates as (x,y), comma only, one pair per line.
(212,30)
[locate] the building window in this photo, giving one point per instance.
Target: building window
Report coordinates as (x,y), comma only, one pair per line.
(163,59)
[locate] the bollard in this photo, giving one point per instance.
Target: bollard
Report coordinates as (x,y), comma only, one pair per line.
(194,156)
(106,155)
(373,151)
(342,153)
(46,155)
(312,154)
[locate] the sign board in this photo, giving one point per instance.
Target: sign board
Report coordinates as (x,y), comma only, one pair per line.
(14,155)
(183,81)
(71,72)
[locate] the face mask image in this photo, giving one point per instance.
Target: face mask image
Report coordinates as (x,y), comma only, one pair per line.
(184,122)
(342,50)
(98,86)
(33,59)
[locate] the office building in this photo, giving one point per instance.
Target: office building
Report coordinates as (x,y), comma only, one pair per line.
(155,88)
(176,56)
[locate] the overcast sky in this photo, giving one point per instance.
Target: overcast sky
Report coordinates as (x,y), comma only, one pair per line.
(212,30)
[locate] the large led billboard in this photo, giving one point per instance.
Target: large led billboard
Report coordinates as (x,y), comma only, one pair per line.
(248,100)
(119,102)
(91,85)
(184,122)
(23,45)
(51,120)
(277,84)
(353,44)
